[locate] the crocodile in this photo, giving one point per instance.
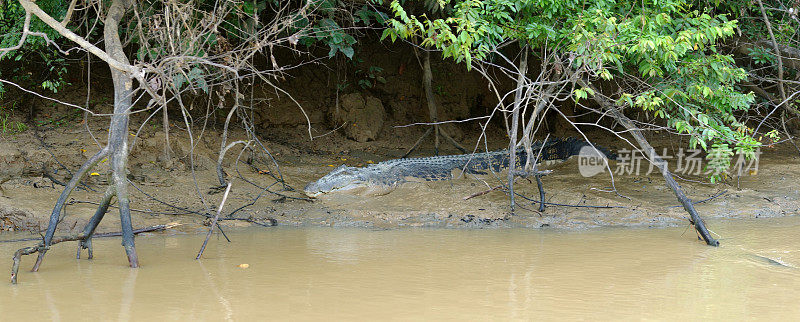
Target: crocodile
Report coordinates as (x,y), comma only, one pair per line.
(383,177)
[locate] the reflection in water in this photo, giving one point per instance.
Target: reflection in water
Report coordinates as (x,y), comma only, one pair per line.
(127,296)
(343,245)
(212,287)
(322,273)
(48,299)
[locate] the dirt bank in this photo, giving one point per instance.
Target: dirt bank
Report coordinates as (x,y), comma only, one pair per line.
(38,159)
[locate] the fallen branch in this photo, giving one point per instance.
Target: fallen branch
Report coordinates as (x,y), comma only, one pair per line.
(524,174)
(566,205)
(609,105)
(149,212)
(481,193)
(140,230)
(106,235)
(214,222)
(75,237)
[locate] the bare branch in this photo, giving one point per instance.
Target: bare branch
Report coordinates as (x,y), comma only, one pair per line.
(47,98)
(70,10)
(31,7)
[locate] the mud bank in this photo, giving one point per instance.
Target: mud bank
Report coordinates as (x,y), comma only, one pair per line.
(166,190)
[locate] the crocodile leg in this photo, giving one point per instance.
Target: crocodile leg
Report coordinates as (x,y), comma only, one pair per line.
(541,192)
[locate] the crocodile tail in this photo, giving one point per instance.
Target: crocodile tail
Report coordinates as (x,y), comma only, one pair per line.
(608,153)
(563,149)
(559,149)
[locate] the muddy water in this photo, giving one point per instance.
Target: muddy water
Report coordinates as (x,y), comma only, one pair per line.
(319,273)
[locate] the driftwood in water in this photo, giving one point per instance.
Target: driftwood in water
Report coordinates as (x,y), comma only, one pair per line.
(82,236)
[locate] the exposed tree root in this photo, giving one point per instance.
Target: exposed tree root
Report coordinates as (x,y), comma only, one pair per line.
(222,152)
(438,131)
(62,199)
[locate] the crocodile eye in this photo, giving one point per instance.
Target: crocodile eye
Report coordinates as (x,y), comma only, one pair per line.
(342,169)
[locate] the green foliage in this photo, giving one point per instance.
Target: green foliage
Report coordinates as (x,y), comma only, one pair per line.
(370,77)
(8,126)
(719,158)
(762,56)
(195,78)
(668,47)
(439,90)
(11,23)
(333,35)
(327,27)
(35,53)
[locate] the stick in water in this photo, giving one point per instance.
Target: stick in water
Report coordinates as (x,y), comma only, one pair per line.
(214,223)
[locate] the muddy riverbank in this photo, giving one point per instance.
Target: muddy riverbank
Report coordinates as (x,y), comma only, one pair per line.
(166,190)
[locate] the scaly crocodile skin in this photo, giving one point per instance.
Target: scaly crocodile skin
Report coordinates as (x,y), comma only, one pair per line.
(386,175)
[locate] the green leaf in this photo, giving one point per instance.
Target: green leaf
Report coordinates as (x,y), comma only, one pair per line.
(579,94)
(347,51)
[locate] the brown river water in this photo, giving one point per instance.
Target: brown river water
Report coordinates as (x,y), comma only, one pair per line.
(415,274)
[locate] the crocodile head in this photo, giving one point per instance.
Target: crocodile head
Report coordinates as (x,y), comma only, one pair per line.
(341,178)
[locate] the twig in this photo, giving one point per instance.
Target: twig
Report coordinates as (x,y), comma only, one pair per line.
(214,222)
(106,235)
(481,193)
(81,236)
(150,212)
(166,203)
(704,200)
(565,205)
(443,122)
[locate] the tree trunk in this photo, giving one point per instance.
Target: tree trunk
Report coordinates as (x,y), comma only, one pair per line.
(167,146)
(657,161)
(512,145)
(118,135)
(117,146)
(427,79)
